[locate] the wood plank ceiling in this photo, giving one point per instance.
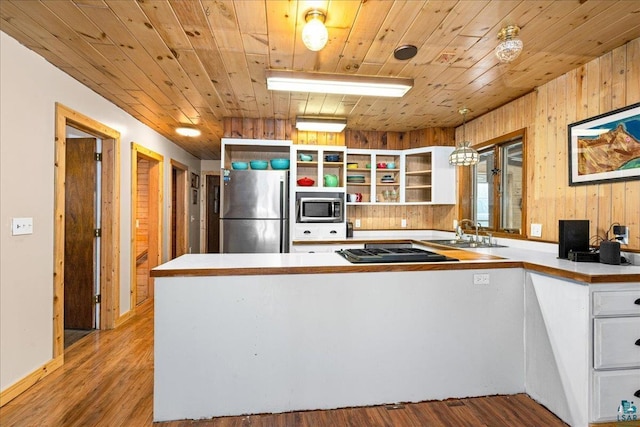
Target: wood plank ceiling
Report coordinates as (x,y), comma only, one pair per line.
(197,61)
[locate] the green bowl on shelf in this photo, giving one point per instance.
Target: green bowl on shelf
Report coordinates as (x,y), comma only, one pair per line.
(280,164)
(239,165)
(259,164)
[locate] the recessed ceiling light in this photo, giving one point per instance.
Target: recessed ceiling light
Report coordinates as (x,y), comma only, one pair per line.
(188,131)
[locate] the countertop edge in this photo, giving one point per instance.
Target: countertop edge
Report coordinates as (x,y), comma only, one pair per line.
(355,268)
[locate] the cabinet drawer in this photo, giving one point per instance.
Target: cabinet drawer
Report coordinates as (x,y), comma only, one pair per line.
(616,303)
(333,231)
(610,388)
(616,342)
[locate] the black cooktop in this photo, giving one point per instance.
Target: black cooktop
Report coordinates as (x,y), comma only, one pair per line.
(380,255)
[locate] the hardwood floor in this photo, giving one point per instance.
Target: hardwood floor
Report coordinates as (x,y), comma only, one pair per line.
(107,380)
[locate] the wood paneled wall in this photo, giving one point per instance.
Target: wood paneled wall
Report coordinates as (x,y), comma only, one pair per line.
(379,217)
(604,84)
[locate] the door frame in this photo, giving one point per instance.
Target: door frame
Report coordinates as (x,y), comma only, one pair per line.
(156,182)
(203,208)
(110,226)
(181,209)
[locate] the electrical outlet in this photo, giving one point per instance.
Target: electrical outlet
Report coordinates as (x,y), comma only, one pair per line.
(621,233)
(403,223)
(536,230)
(481,279)
(357,224)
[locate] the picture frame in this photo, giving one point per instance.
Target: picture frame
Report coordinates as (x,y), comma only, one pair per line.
(195,180)
(194,196)
(605,148)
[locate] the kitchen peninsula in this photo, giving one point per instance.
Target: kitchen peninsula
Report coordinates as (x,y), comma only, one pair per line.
(243,334)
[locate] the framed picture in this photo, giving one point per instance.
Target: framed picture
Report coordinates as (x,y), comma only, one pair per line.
(194,196)
(605,148)
(195,180)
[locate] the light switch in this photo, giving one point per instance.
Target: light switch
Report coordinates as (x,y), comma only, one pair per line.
(21,226)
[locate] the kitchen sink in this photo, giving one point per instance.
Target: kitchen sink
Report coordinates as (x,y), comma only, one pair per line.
(463,243)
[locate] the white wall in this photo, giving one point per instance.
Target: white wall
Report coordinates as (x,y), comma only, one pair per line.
(29,89)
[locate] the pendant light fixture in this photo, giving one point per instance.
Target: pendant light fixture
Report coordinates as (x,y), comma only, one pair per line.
(510,44)
(464,155)
(314,33)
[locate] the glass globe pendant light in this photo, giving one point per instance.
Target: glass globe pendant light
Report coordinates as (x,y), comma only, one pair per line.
(464,154)
(314,33)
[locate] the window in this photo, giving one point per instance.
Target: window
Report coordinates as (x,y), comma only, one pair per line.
(498,185)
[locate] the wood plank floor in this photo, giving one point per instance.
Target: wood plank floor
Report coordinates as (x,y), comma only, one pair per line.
(107,380)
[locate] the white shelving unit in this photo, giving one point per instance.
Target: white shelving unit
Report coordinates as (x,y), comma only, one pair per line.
(420,176)
(245,150)
(374,189)
(317,167)
(428,176)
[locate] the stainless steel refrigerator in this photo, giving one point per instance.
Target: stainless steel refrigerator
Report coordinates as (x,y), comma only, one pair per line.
(255,211)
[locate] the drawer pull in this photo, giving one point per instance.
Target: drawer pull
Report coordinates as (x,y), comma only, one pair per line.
(637,301)
(307,232)
(637,394)
(638,341)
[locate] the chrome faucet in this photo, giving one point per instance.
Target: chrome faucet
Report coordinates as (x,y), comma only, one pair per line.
(473,224)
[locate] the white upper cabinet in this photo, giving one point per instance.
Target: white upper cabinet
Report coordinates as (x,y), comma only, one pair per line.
(413,176)
(314,163)
(429,178)
(246,150)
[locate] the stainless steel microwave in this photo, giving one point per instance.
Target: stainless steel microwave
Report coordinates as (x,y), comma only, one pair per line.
(320,209)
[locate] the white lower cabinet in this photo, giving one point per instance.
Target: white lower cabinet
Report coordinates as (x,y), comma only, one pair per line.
(616,343)
(615,381)
(610,390)
(315,231)
(582,347)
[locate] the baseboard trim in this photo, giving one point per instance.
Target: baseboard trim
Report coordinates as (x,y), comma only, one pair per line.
(11,392)
(121,319)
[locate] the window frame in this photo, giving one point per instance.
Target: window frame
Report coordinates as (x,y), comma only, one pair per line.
(467,210)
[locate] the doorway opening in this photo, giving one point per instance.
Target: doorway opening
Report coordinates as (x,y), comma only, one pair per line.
(212,214)
(179,204)
(146,206)
(77,205)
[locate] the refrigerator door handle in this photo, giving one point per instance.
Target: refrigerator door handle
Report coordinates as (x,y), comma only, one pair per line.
(281,216)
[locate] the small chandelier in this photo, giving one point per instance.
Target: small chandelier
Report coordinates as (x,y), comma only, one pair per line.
(464,155)
(314,33)
(510,45)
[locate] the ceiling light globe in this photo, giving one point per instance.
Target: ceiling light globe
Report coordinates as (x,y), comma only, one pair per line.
(510,45)
(508,50)
(315,34)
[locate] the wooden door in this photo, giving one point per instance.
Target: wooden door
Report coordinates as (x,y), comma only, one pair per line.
(213,213)
(80,187)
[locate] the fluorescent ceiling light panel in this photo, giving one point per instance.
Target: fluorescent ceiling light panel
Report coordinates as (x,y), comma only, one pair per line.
(320,124)
(342,84)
